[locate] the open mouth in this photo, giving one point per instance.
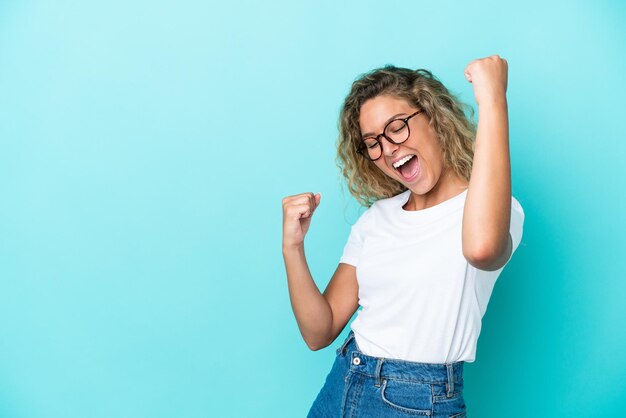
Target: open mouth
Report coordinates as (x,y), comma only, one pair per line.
(408,167)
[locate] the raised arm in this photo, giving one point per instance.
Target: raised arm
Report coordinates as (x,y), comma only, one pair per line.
(487,244)
(320,317)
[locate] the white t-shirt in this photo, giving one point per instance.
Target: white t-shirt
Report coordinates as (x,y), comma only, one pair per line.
(420,298)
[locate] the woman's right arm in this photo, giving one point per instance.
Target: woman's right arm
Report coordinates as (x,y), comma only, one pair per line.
(320,317)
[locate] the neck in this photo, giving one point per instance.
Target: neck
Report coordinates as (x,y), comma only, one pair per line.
(446,188)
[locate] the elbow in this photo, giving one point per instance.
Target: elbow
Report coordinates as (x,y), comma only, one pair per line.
(319,342)
(482,263)
(489,257)
(316,346)
(479,254)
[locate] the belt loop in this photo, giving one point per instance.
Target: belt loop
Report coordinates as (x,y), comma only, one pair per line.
(450,369)
(345,343)
(379,367)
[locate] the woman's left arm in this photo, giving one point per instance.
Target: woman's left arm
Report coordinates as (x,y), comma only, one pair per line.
(487,244)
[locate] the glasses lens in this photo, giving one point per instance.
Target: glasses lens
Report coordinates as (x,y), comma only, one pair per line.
(372,147)
(397,131)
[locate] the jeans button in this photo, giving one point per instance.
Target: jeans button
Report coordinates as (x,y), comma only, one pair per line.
(356,361)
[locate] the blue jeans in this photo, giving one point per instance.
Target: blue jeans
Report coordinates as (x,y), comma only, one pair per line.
(359,386)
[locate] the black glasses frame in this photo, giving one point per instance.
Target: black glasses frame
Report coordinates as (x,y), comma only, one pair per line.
(361,149)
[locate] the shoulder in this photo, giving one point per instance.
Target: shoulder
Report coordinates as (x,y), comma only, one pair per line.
(366,218)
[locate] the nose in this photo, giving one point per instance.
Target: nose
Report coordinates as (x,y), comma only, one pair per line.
(389,148)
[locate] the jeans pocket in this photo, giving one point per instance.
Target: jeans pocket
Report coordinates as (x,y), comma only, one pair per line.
(407,396)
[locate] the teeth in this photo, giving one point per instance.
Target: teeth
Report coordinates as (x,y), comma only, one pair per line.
(398,163)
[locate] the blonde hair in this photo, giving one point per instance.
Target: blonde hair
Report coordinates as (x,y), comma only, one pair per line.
(455,131)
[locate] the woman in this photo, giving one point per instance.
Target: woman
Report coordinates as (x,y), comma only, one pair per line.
(422,260)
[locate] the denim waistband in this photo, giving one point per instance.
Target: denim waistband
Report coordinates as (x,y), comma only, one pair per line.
(382,367)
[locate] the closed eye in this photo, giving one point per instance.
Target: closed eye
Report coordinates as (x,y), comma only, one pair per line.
(402,128)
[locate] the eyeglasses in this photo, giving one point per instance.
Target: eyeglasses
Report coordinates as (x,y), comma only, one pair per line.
(396,131)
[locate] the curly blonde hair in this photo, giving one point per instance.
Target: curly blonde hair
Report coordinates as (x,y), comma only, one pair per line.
(455,131)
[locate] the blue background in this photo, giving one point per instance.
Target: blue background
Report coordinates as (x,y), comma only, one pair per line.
(145,150)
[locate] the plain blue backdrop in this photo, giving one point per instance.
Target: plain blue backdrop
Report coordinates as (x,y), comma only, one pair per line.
(145,150)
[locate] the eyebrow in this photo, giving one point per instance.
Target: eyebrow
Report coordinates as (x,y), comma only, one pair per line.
(388,120)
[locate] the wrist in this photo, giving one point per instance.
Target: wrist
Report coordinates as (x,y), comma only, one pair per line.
(497,102)
(293,248)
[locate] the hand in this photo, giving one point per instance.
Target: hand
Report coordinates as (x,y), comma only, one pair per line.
(297,213)
(489,78)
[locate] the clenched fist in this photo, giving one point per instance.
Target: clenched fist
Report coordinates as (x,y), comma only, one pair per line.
(297,212)
(488,77)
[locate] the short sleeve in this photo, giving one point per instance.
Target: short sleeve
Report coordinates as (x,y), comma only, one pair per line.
(353,248)
(517,224)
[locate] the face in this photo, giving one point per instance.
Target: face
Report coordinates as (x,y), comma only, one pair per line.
(425,170)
